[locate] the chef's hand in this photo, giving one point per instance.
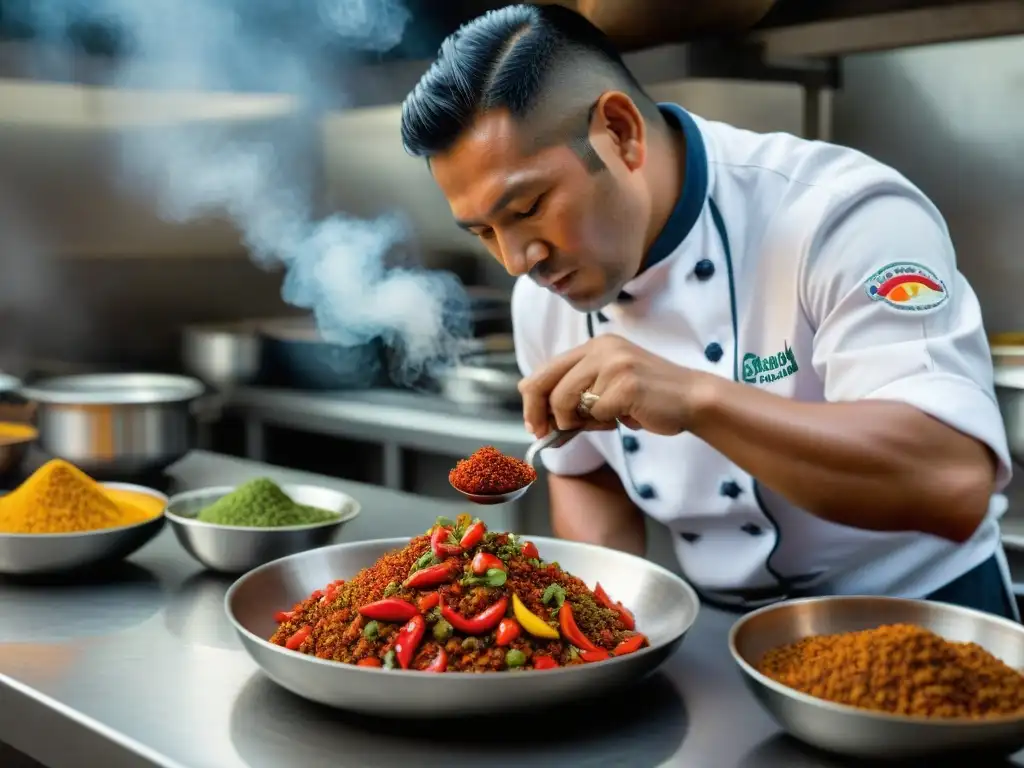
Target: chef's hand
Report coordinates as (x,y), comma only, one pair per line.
(636,387)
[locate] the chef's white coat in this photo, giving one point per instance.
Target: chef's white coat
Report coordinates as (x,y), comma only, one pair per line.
(815,273)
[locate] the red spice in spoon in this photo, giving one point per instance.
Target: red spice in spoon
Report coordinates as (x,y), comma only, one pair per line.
(489,471)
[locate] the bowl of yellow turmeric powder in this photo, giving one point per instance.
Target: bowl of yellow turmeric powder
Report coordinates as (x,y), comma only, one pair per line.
(60,519)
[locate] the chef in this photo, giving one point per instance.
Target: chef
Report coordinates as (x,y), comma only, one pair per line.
(767,339)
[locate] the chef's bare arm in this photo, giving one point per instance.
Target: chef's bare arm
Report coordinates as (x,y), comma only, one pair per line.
(595,508)
(911,437)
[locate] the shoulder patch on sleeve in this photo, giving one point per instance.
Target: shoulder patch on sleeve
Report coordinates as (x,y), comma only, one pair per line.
(906,286)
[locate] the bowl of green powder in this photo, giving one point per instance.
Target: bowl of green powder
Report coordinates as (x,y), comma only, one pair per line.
(234,529)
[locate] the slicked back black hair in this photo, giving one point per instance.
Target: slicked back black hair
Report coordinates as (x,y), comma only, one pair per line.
(544,64)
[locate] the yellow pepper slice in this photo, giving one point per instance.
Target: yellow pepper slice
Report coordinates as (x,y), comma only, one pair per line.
(531,622)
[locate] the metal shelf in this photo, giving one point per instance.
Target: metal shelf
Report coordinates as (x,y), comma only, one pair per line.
(844,27)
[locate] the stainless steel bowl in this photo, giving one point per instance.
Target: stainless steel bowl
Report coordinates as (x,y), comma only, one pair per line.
(32,554)
(223,356)
(236,549)
(861,733)
(665,608)
(124,423)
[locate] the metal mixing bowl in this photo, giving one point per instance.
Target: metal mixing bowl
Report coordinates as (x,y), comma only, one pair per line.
(25,554)
(236,549)
(665,607)
(120,423)
(861,733)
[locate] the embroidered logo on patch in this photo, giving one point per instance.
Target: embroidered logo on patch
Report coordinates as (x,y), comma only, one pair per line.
(907,286)
(766,369)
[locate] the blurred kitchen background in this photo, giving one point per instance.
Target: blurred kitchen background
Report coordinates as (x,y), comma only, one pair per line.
(92,279)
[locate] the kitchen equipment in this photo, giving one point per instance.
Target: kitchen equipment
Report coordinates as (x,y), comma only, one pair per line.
(490,311)
(296,356)
(861,733)
(484,376)
(14,409)
(9,386)
(236,549)
(665,607)
(1009,383)
(1007,349)
(121,423)
(224,355)
(24,554)
(14,448)
(641,23)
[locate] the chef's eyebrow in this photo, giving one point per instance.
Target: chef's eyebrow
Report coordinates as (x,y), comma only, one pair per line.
(514,190)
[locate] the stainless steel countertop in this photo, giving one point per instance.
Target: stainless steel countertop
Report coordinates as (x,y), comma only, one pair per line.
(142,669)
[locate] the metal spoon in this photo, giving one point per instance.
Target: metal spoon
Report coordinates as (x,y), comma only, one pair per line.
(554,439)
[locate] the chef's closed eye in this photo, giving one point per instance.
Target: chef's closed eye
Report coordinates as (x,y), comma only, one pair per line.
(533,210)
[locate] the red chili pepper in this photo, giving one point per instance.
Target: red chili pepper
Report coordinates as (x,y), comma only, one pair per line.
(428,601)
(629,645)
(508,630)
(599,654)
(369,661)
(293,642)
(570,629)
(624,615)
(389,609)
(282,616)
(480,624)
(473,535)
(530,551)
(430,577)
(408,641)
(440,544)
(317,594)
(329,594)
(484,561)
(544,662)
(440,662)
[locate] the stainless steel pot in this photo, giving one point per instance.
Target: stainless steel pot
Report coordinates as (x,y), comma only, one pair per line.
(484,378)
(126,424)
(224,356)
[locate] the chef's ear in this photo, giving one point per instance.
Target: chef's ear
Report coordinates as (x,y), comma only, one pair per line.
(616,115)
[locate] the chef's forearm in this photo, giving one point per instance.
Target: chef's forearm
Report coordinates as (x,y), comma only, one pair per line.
(870,464)
(595,509)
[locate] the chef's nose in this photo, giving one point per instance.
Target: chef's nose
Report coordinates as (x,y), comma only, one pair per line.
(521,257)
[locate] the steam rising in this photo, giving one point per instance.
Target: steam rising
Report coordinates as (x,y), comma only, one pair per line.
(254,172)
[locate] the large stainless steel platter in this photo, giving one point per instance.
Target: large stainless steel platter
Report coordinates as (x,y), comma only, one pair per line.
(861,733)
(665,608)
(34,554)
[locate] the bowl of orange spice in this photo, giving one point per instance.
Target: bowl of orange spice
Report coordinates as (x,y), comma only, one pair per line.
(60,519)
(885,677)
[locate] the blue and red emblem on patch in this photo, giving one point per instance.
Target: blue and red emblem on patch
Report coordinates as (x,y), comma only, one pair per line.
(906,286)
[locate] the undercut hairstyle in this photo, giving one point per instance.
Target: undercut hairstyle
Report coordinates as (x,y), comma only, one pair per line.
(547,65)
